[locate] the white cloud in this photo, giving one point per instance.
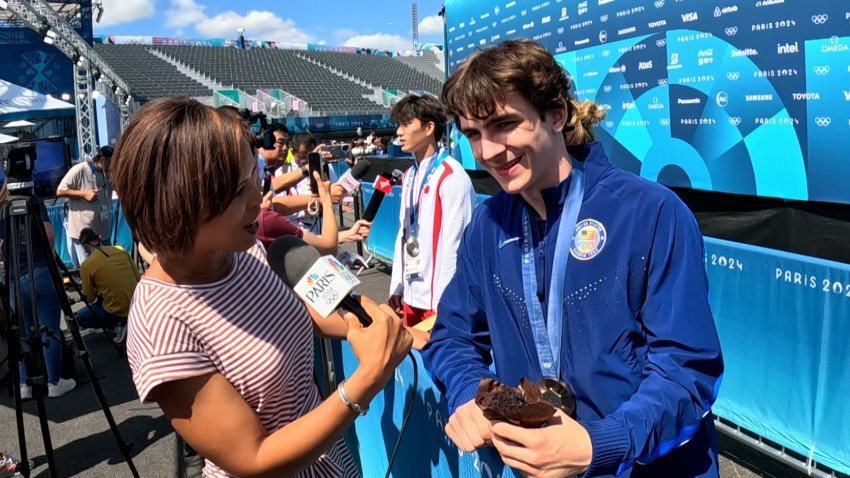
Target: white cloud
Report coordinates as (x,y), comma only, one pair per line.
(432,25)
(184,12)
(381,41)
(116,12)
(342,34)
(259,25)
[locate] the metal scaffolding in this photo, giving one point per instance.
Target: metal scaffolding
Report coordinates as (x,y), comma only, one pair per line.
(90,70)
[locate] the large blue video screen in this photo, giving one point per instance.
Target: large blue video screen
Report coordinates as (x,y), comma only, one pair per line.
(747,97)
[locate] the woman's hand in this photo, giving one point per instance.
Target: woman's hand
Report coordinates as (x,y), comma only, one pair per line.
(380,347)
(325,197)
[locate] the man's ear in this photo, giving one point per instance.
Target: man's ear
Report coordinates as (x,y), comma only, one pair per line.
(558,117)
(430,127)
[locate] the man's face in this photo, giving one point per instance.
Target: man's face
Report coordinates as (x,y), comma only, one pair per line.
(300,154)
(515,145)
(413,136)
(102,164)
(277,154)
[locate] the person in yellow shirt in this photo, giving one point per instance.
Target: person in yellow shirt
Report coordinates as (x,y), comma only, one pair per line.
(109,278)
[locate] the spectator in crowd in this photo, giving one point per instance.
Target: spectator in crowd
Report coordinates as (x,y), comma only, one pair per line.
(277,176)
(213,332)
(581,273)
(109,279)
(47,303)
(273,225)
(302,145)
(87,187)
(437,201)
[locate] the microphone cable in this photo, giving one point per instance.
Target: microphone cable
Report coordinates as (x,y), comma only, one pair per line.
(407,411)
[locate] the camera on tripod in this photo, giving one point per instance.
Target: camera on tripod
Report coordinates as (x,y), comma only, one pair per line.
(18,165)
(32,324)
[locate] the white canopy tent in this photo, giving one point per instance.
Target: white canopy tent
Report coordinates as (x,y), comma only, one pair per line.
(17,102)
(5,138)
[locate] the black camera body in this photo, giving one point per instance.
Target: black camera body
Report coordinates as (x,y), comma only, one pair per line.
(18,164)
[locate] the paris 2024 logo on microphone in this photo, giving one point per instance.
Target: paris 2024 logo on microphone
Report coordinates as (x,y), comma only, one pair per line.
(325,284)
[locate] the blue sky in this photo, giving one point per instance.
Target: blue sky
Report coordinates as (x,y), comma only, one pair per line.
(375,24)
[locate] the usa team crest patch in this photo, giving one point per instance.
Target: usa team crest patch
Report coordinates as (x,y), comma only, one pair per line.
(588,239)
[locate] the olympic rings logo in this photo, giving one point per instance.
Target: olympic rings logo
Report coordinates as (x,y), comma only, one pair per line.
(606,88)
(735,120)
(731,31)
(821,70)
(609,124)
(660,42)
(820,19)
(662,81)
(603,18)
(659,3)
(823,121)
(733,75)
(664,121)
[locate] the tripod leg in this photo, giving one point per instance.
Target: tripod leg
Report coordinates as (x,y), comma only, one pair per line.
(79,344)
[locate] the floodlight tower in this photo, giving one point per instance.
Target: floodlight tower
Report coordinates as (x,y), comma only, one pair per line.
(414,27)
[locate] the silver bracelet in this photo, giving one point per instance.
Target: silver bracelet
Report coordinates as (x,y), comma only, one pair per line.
(340,389)
(313,206)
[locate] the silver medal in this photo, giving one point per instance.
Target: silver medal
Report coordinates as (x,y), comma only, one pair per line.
(412,247)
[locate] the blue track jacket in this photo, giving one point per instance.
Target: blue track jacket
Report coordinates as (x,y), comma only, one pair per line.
(639,345)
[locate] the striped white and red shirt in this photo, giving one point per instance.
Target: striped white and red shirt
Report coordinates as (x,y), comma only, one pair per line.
(250,328)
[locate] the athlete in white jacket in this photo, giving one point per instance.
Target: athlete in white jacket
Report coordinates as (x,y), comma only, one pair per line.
(437,202)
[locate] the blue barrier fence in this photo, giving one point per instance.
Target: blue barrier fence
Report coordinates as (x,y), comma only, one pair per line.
(424,450)
(784,323)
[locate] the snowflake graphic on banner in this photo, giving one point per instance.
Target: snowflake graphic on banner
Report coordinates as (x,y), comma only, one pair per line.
(39,71)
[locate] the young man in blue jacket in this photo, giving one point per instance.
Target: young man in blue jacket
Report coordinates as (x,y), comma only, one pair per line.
(579,272)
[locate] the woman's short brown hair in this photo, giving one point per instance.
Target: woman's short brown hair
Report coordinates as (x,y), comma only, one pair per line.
(484,81)
(176,166)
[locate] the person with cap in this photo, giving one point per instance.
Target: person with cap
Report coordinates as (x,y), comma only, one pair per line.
(109,279)
(89,193)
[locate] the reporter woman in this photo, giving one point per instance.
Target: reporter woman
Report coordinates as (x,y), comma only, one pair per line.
(214,337)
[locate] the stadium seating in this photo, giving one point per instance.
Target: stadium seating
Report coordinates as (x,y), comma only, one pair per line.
(147,75)
(330,82)
(260,68)
(378,70)
(427,63)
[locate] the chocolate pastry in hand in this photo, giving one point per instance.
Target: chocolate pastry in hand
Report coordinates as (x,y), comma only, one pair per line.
(523,405)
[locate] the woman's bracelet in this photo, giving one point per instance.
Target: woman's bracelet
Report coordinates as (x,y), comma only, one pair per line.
(313,207)
(349,402)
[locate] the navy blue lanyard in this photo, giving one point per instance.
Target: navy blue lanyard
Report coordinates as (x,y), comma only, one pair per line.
(547,333)
(413,207)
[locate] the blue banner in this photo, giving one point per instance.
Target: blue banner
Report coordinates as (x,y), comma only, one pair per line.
(747,98)
(326,124)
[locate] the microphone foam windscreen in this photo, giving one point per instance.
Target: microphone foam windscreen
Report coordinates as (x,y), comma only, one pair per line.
(290,258)
(360,169)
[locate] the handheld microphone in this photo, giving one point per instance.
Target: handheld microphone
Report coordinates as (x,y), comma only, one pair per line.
(322,282)
(383,186)
(350,181)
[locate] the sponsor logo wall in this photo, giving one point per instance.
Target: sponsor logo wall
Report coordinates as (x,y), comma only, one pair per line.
(747,97)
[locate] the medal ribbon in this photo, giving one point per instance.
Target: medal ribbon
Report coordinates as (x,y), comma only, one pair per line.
(547,332)
(413,207)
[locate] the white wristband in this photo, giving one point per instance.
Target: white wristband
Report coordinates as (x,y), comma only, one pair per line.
(349,402)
